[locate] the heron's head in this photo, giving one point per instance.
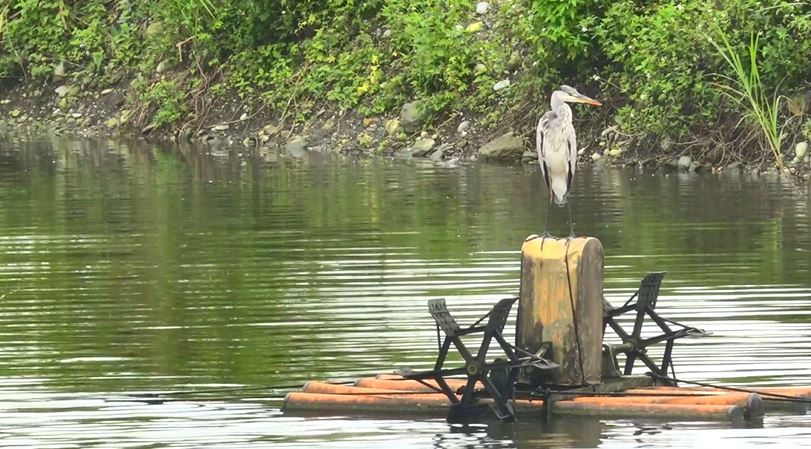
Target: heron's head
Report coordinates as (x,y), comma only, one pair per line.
(571,95)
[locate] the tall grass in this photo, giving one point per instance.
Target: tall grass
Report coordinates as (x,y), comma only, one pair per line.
(747,90)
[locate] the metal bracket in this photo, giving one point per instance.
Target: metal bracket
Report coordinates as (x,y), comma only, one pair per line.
(497,377)
(634,346)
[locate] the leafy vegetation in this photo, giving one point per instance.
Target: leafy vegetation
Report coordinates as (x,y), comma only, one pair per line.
(746,89)
(654,63)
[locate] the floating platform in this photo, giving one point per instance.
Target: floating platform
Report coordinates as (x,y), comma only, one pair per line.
(625,398)
(561,323)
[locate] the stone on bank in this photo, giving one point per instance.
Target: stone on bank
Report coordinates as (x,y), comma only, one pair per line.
(684,163)
(296,146)
(422,147)
(412,116)
(507,147)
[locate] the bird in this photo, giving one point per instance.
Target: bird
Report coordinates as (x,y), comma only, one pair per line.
(556,145)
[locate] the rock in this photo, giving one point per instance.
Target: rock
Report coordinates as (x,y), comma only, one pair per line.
(422,146)
(106,91)
(800,149)
(243,117)
(666,144)
(392,126)
(153,30)
(480,68)
(387,33)
(611,130)
(714,155)
(148,128)
(222,127)
(365,140)
(507,147)
(74,91)
(482,8)
(514,62)
(403,153)
(59,70)
(800,104)
(216,143)
(437,155)
(114,100)
(463,127)
(297,146)
(117,76)
(62,91)
(474,27)
(270,129)
(596,157)
(76,115)
(529,156)
(446,149)
(162,67)
(684,162)
(412,116)
(614,152)
(451,163)
(503,84)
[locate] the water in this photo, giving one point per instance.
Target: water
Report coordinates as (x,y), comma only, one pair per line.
(129,268)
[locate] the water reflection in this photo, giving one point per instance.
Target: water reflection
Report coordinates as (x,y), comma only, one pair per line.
(128,267)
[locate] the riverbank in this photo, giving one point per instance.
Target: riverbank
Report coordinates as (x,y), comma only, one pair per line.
(446,81)
(63,106)
(87,112)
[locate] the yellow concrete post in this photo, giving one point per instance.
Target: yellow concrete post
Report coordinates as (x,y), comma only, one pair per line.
(549,295)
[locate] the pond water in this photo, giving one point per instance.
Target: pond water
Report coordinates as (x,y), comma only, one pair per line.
(130,268)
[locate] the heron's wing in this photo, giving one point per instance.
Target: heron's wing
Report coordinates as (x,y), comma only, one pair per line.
(571,159)
(543,126)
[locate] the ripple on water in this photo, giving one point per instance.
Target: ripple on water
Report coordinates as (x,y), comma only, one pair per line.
(131,270)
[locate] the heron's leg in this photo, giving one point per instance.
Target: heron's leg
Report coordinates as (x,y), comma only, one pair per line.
(548,213)
(546,223)
(571,223)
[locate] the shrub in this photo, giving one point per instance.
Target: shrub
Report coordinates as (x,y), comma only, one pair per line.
(651,60)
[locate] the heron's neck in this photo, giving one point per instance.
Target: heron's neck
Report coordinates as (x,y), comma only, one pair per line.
(561,109)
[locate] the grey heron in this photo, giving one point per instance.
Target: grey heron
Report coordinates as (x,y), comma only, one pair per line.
(556,145)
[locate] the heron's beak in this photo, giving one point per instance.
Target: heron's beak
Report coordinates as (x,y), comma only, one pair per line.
(584,99)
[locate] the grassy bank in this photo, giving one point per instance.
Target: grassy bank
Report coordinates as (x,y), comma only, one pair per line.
(661,67)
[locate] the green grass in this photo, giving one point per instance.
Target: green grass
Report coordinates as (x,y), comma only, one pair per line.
(746,89)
